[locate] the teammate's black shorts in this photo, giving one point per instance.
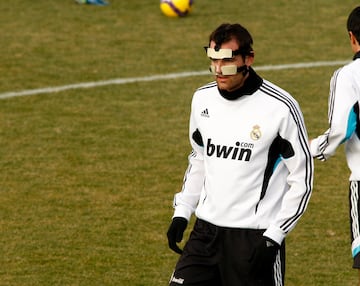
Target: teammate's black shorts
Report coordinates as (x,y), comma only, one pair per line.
(218,256)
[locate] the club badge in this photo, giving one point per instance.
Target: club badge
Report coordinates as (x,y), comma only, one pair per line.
(255,134)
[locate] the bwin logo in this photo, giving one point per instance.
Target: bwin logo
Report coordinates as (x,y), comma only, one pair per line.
(234,153)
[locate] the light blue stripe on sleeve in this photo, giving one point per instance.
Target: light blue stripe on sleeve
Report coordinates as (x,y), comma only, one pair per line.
(355,251)
(351,126)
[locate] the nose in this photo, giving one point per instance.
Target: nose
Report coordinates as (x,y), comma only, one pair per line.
(216,66)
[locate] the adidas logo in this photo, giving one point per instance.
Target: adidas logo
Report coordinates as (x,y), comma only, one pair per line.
(205,113)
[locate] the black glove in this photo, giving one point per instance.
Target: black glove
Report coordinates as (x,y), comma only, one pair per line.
(264,256)
(176,232)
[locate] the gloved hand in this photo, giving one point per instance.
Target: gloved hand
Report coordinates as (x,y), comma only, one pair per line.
(176,232)
(264,256)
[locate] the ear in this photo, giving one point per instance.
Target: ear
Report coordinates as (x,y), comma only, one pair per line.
(353,40)
(249,60)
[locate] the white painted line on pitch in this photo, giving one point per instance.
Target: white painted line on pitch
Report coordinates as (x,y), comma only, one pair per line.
(119,81)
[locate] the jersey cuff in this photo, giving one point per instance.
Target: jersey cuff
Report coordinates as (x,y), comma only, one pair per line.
(314,150)
(182,211)
(275,234)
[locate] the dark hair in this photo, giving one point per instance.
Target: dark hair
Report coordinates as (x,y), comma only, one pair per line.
(226,32)
(353,23)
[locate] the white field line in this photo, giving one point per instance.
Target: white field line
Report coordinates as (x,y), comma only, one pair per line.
(119,81)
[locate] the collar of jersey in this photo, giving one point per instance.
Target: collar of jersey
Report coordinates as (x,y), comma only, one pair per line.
(357,55)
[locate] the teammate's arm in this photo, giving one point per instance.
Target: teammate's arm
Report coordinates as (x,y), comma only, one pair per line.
(342,117)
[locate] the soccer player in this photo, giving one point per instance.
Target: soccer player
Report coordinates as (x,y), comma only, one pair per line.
(249,177)
(344,127)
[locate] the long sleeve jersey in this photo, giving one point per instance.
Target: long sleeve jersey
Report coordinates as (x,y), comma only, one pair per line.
(250,165)
(343,115)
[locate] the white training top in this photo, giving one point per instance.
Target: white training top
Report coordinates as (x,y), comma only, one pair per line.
(250,166)
(343,117)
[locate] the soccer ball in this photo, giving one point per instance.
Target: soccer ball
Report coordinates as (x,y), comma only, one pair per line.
(176,8)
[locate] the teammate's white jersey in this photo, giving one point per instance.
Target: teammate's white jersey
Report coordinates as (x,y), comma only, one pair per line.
(250,166)
(343,117)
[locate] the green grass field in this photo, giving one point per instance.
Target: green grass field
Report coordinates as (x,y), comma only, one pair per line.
(88,175)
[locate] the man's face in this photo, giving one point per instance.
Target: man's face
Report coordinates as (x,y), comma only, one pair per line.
(230,82)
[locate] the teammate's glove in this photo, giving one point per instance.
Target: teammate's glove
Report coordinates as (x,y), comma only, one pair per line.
(176,232)
(264,256)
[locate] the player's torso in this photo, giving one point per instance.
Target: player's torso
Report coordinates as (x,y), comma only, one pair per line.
(238,131)
(237,136)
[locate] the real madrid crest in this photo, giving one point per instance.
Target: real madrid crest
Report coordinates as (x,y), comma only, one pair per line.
(255,134)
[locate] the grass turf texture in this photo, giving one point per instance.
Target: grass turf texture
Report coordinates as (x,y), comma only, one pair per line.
(88,176)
